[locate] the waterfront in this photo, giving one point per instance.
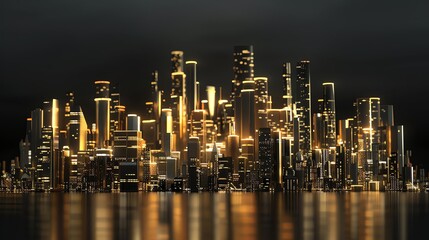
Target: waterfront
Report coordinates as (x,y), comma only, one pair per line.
(295,215)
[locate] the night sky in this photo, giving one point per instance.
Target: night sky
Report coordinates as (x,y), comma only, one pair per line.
(367,48)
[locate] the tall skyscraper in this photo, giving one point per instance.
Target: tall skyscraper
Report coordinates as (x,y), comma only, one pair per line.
(151,116)
(330,125)
(68,105)
(265,159)
(242,68)
(102,108)
(366,132)
(46,152)
(194,96)
(178,103)
(36,133)
(303,105)
(154,98)
(287,85)
(222,120)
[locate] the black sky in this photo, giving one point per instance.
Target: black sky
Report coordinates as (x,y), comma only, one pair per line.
(367,48)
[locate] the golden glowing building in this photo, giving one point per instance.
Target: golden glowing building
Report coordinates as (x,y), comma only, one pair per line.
(102,111)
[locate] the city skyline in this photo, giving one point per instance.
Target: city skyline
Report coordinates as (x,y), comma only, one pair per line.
(383,60)
(209,142)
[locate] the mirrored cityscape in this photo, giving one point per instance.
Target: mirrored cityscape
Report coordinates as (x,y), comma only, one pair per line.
(236,215)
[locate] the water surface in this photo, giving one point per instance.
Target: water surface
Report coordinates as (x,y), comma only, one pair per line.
(297,215)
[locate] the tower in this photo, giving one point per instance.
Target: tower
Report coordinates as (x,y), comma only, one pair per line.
(242,71)
(194,97)
(330,129)
(247,110)
(303,105)
(287,85)
(261,102)
(102,109)
(366,134)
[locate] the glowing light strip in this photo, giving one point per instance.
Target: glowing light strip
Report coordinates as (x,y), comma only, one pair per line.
(102,99)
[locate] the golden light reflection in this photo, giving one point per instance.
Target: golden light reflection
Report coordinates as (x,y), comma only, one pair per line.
(236,215)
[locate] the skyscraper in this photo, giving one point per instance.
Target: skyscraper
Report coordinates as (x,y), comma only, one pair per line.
(166,131)
(193,163)
(178,103)
(287,85)
(366,132)
(194,96)
(265,158)
(46,152)
(36,133)
(330,125)
(303,105)
(247,110)
(77,130)
(261,102)
(102,108)
(242,71)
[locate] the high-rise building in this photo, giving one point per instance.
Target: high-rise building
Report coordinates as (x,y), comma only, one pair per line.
(117,112)
(222,120)
(77,128)
(178,103)
(194,96)
(281,157)
(386,127)
(345,138)
(287,85)
(280,119)
(261,102)
(150,126)
(303,105)
(48,148)
(247,110)
(233,150)
(366,132)
(36,133)
(193,163)
(68,105)
(242,69)
(102,109)
(103,171)
(265,159)
(166,131)
(25,147)
(329,118)
(154,95)
(248,151)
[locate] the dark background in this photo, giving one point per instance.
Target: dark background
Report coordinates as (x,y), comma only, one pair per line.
(367,48)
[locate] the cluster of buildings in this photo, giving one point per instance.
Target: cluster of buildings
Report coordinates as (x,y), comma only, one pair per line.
(191,138)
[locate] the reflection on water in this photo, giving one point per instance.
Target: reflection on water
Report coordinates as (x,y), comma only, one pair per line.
(317,215)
